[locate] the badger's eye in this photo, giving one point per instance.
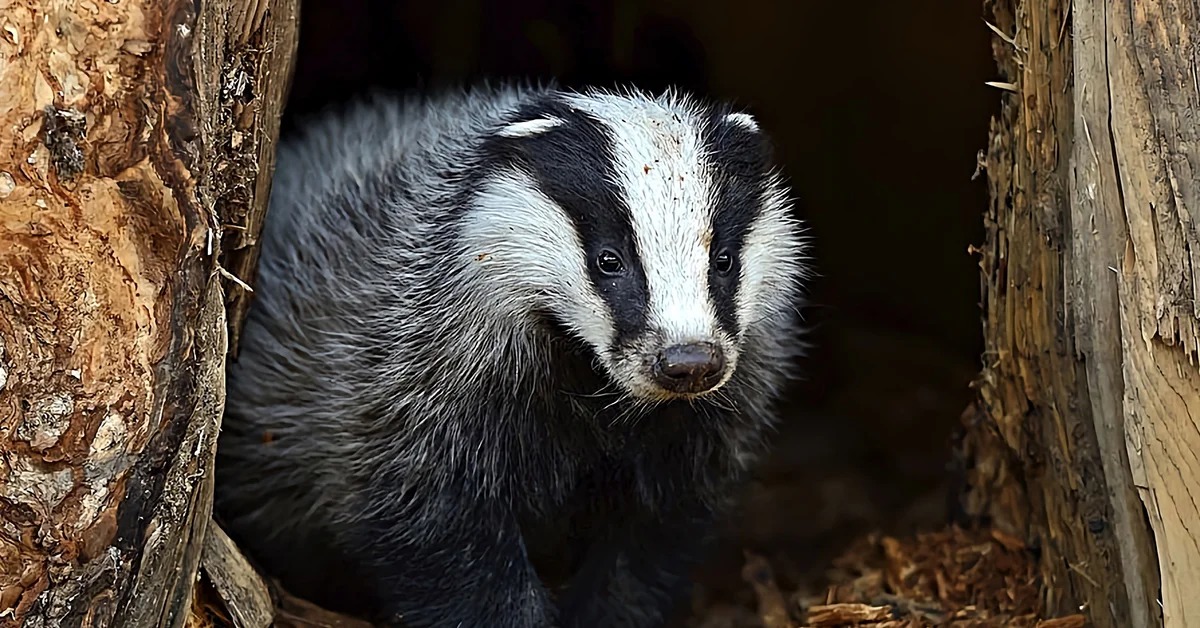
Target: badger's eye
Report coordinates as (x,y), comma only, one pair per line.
(724,262)
(609,263)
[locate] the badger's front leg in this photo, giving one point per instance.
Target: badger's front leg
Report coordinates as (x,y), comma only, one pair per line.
(635,575)
(460,565)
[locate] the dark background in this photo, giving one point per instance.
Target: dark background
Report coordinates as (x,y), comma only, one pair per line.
(877,108)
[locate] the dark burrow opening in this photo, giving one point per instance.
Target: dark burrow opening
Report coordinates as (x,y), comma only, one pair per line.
(877,109)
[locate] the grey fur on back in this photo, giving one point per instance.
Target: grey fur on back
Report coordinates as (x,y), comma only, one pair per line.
(313,325)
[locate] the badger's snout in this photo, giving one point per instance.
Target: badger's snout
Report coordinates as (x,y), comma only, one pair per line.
(692,367)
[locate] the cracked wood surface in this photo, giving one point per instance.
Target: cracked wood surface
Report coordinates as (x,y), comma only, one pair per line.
(133,132)
(1086,435)
(1143,86)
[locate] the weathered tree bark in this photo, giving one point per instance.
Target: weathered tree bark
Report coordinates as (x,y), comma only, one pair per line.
(134,134)
(1085,437)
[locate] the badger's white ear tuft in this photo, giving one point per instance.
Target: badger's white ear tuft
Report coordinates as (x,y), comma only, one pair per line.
(744,120)
(529,128)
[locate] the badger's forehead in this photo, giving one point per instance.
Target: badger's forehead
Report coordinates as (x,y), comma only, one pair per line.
(646,132)
(650,158)
(661,167)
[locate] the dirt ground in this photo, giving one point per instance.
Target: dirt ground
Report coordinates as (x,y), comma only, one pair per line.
(950,577)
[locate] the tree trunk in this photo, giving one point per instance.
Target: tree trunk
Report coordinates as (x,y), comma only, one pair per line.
(135,134)
(1083,438)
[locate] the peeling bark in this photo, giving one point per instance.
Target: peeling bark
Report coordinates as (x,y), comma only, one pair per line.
(119,167)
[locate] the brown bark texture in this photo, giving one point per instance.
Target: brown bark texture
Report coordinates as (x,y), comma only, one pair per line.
(133,135)
(1085,436)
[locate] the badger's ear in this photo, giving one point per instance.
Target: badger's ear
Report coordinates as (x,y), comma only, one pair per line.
(742,120)
(530,128)
(739,139)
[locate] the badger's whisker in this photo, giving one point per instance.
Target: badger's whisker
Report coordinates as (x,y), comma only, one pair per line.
(721,399)
(607,390)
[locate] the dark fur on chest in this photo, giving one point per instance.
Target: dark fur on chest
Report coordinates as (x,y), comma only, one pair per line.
(640,454)
(633,481)
(577,475)
(621,464)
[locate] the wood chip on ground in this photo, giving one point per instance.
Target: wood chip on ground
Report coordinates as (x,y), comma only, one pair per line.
(952,577)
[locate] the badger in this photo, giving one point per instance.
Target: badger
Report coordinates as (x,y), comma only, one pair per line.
(512,349)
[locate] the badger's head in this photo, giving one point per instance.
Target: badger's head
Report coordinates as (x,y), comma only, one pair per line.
(654,229)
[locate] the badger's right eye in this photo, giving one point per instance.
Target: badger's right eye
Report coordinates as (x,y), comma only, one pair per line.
(609,263)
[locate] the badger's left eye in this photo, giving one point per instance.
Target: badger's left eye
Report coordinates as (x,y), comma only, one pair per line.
(609,263)
(723,262)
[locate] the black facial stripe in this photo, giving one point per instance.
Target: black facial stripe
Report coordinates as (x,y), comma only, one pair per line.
(573,165)
(740,161)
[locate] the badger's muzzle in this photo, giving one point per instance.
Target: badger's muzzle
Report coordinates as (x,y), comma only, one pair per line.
(690,368)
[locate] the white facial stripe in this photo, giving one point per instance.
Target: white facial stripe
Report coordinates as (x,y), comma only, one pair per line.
(773,257)
(523,242)
(659,157)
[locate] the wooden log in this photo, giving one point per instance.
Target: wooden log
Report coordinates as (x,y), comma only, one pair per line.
(1145,181)
(132,132)
(1084,438)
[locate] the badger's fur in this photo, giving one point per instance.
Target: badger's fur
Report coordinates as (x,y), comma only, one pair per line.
(506,327)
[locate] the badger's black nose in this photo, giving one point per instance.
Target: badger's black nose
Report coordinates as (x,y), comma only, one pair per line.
(689,368)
